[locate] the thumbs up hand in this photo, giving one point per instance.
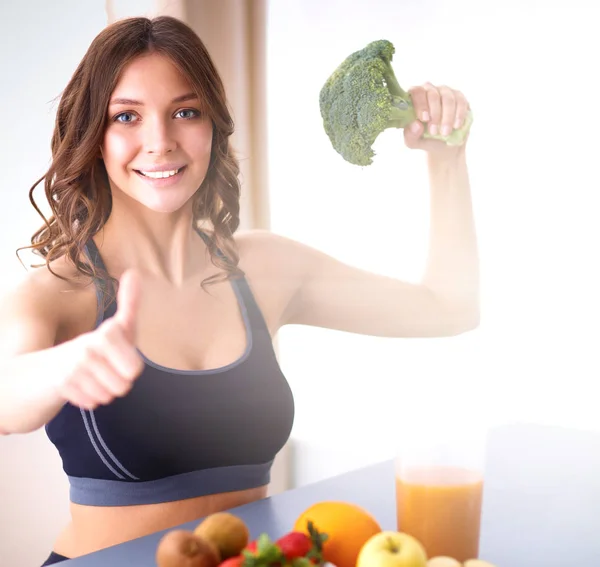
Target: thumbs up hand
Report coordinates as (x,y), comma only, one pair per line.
(103,364)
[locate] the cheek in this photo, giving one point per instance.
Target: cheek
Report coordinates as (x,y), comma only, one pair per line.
(199,143)
(117,150)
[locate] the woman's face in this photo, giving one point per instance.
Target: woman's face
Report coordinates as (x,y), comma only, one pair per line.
(157,143)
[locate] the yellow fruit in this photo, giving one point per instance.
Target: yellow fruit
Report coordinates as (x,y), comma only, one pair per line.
(227,532)
(443,561)
(392,549)
(347,526)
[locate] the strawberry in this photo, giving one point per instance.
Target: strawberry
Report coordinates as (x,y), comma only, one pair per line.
(294,544)
(262,553)
(236,561)
(252,547)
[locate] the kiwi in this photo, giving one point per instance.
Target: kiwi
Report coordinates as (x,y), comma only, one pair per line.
(226,531)
(181,548)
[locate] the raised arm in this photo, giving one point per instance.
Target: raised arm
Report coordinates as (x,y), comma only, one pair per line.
(328,293)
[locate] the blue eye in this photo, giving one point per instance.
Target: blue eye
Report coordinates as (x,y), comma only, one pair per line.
(190,111)
(124,114)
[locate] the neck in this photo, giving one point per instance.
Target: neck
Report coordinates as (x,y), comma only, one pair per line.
(160,245)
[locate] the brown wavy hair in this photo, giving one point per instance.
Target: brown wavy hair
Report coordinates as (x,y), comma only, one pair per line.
(76,183)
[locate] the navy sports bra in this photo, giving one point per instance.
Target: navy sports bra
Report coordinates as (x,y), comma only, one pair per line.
(180,433)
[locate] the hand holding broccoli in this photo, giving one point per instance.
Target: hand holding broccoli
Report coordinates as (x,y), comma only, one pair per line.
(362,98)
(443,118)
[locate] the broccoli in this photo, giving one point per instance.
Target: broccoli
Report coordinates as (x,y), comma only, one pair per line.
(362,98)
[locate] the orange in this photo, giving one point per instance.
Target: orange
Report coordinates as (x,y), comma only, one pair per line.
(347,526)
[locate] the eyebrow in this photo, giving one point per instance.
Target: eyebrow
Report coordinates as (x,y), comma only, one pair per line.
(133,102)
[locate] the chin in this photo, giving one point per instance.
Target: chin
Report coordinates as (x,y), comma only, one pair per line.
(166,206)
(164,201)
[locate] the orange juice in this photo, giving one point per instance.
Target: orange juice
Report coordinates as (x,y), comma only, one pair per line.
(441,507)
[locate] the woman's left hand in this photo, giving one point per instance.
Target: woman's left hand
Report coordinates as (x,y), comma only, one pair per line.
(439,111)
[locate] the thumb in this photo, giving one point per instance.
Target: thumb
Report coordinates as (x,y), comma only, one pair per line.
(413,134)
(128,301)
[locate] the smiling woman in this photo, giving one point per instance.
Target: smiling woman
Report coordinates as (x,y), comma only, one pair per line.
(113,125)
(141,157)
(144,345)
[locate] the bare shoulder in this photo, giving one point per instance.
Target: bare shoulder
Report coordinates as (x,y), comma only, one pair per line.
(42,309)
(275,267)
(265,248)
(256,241)
(280,259)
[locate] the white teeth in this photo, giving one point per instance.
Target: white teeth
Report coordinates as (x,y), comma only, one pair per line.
(159,174)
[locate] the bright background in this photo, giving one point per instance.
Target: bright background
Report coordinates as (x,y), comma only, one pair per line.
(530,71)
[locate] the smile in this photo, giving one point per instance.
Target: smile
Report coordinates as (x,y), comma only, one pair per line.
(166,178)
(160,174)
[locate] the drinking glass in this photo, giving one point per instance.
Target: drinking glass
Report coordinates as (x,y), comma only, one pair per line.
(439,470)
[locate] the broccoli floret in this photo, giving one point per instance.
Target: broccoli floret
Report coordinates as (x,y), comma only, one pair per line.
(362,98)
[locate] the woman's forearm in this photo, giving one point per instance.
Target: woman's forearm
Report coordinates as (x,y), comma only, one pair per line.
(452,270)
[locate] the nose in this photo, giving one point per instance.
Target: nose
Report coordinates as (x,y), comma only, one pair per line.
(158,137)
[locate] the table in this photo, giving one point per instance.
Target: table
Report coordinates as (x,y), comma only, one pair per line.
(541,502)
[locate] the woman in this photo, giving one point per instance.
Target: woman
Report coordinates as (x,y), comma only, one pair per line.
(145,344)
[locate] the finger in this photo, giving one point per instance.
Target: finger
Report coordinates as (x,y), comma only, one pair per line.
(128,300)
(76,397)
(448,110)
(413,134)
(419,100)
(435,108)
(462,108)
(115,347)
(108,377)
(89,385)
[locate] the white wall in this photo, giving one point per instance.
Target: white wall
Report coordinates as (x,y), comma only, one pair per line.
(530,72)
(40,45)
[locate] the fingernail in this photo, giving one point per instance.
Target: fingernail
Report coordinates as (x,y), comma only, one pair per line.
(415,127)
(433,129)
(446,130)
(457,124)
(425,116)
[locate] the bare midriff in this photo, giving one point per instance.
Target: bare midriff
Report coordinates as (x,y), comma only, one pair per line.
(93,528)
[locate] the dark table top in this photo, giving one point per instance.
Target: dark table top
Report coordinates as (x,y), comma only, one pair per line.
(541,503)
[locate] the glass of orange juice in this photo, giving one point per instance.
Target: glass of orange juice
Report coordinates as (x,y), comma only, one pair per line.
(439,486)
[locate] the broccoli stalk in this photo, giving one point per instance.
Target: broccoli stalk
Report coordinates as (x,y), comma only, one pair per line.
(362,98)
(401,110)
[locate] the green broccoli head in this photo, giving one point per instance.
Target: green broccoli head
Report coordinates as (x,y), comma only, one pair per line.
(362,98)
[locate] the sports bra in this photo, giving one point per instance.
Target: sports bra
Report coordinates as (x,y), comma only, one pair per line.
(179,434)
